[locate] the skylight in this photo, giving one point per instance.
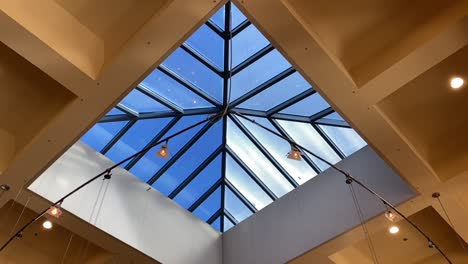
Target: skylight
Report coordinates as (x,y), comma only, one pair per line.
(224,172)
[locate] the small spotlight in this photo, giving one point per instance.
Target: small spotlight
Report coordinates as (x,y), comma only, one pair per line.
(163,151)
(55,211)
(390,216)
(394,229)
(294,154)
(47,224)
(456,82)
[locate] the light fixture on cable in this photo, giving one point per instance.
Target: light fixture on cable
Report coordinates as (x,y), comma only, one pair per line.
(55,210)
(391,216)
(393,230)
(294,154)
(163,152)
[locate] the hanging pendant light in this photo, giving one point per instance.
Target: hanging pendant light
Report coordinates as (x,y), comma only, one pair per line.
(55,210)
(294,154)
(391,216)
(163,151)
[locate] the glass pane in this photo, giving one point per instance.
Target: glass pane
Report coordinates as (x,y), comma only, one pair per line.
(195,72)
(307,136)
(141,103)
(191,159)
(209,44)
(217,224)
(218,18)
(200,184)
(136,138)
(277,93)
(235,206)
(149,164)
(247,43)
(347,140)
(115,111)
(209,207)
(101,133)
(227,224)
(308,106)
(334,116)
(259,72)
(279,148)
(167,87)
(256,161)
(236,16)
(246,186)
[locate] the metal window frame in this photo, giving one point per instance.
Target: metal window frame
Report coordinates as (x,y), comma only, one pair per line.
(176,112)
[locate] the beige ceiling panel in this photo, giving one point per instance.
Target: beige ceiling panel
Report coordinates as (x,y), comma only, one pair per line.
(431,115)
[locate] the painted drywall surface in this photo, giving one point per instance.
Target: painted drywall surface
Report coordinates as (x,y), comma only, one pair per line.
(122,207)
(317,211)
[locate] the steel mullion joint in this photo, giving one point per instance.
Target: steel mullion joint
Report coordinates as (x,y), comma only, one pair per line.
(196,172)
(290,101)
(116,138)
(255,57)
(240,196)
(180,153)
(262,87)
(205,196)
(251,174)
(198,91)
(283,132)
(153,140)
(265,152)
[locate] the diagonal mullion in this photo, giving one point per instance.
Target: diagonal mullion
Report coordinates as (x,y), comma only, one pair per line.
(240,196)
(249,172)
(258,113)
(265,152)
(195,173)
(152,141)
(160,114)
(215,28)
(290,101)
(159,99)
(179,154)
(191,87)
(118,136)
(230,217)
(215,216)
(263,86)
(329,141)
(332,122)
(259,54)
(195,54)
(207,194)
(321,114)
(126,110)
(240,27)
(283,132)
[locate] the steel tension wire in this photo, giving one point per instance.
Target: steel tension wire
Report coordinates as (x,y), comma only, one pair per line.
(106,173)
(351,179)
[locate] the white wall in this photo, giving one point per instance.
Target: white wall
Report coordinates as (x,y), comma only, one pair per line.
(313,213)
(122,207)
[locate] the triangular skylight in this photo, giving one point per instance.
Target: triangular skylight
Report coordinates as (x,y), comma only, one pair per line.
(225,171)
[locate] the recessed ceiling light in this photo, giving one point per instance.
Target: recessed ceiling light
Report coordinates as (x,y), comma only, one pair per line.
(394,229)
(456,82)
(47,224)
